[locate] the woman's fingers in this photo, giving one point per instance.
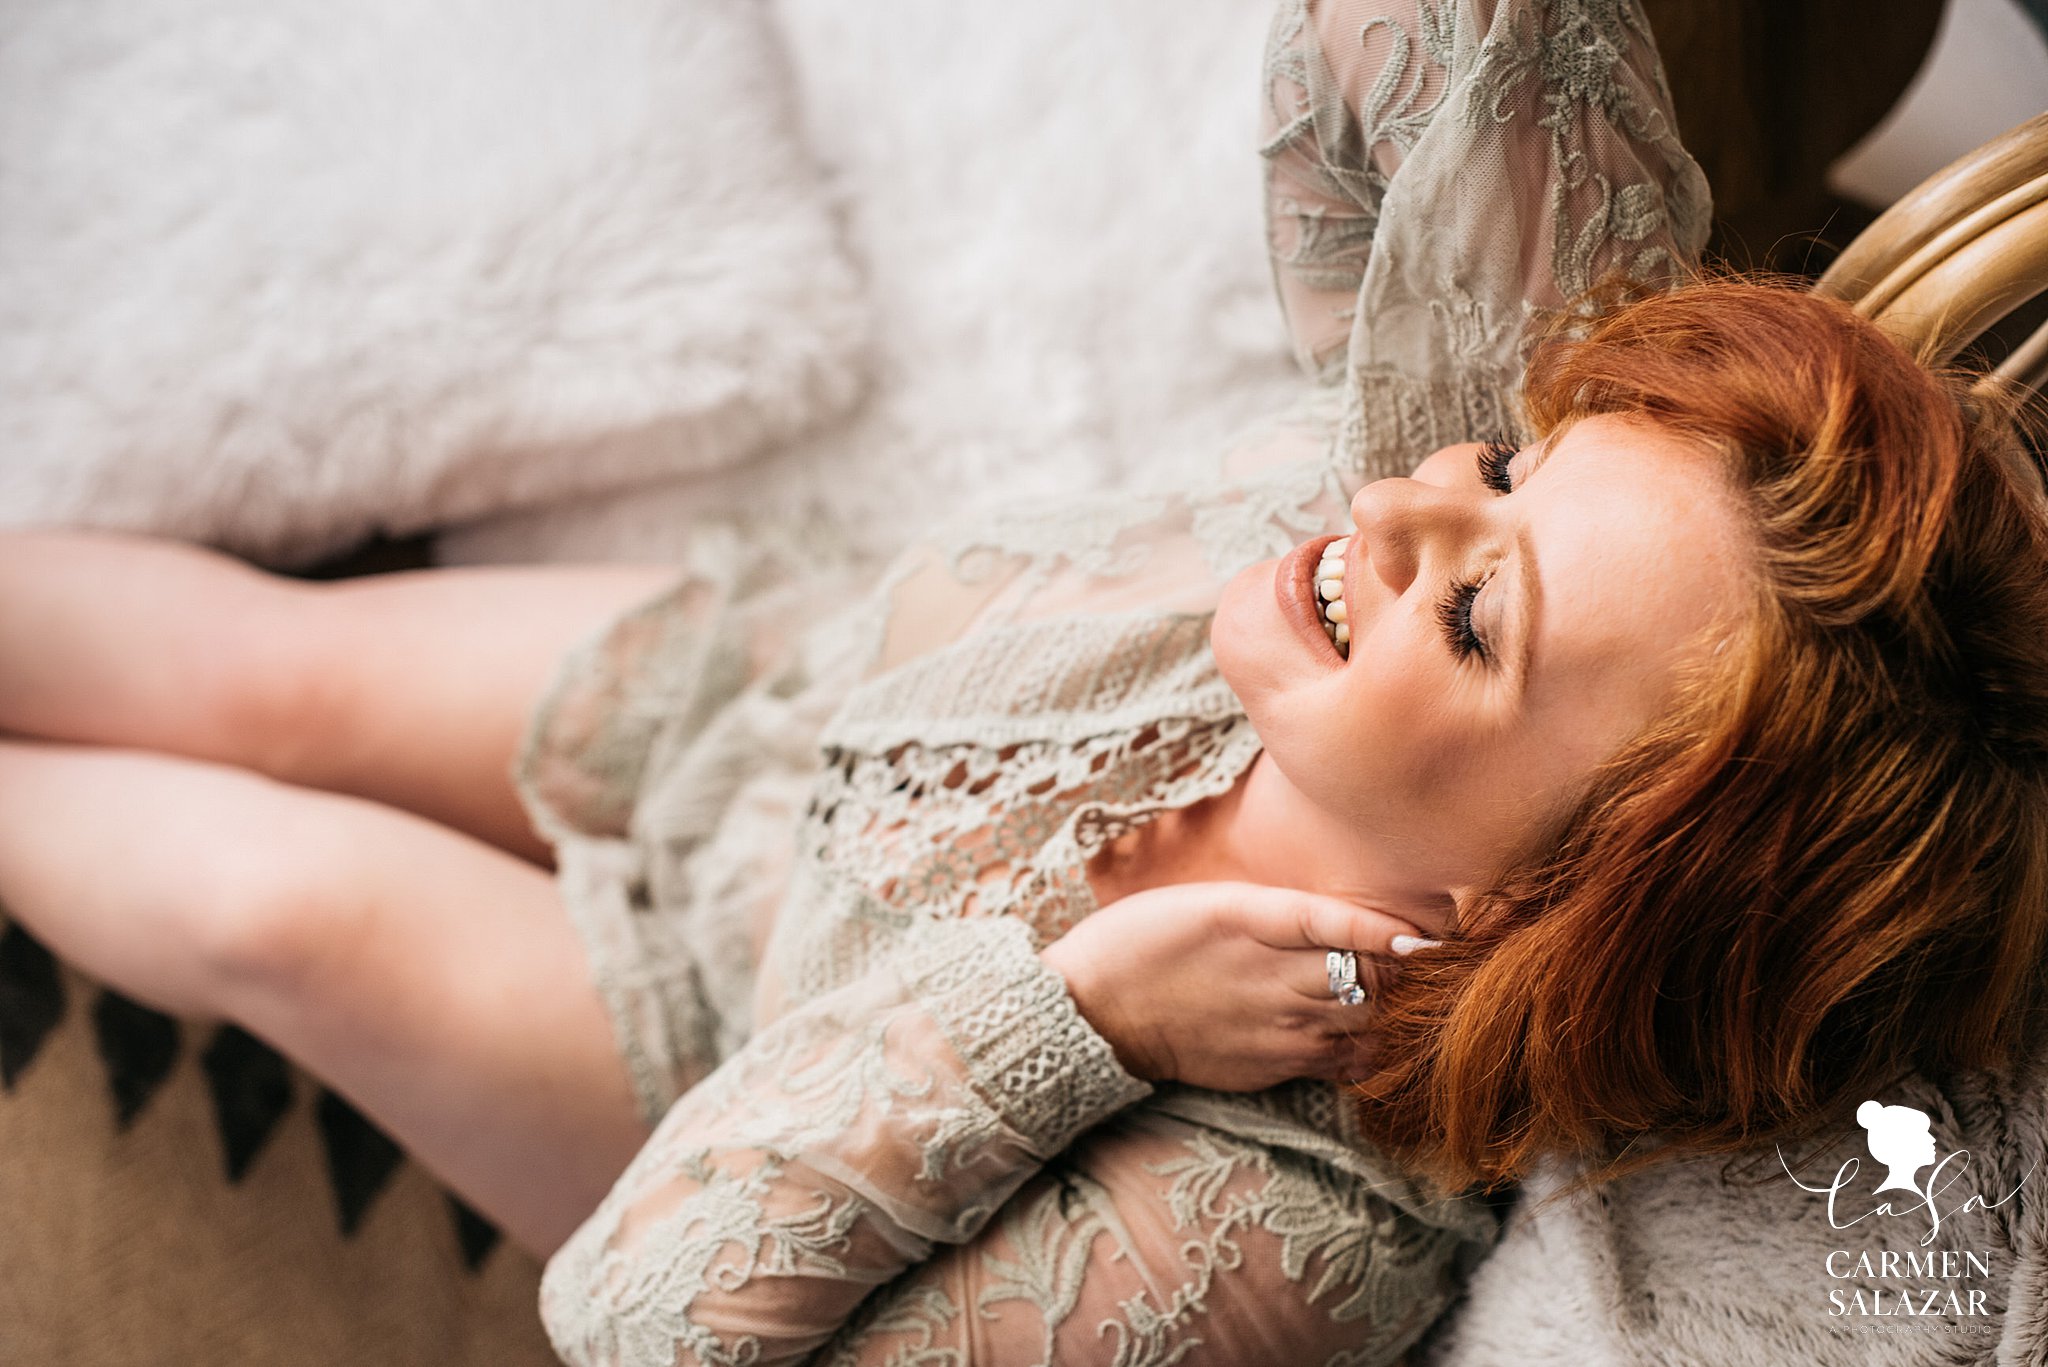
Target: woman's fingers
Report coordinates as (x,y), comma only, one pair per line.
(1332,1057)
(1306,973)
(1304,928)
(1329,1040)
(1348,1069)
(1288,918)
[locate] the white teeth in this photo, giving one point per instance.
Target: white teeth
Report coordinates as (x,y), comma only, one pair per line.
(1329,581)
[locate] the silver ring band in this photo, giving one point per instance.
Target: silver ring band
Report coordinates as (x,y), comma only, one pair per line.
(1343,968)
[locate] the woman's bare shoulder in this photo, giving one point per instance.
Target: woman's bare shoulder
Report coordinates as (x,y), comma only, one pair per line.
(930,604)
(1169,548)
(931,607)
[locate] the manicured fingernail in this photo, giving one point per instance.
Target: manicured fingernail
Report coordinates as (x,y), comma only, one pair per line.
(1408,944)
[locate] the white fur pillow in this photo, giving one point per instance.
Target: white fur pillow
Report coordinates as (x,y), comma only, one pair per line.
(1058,208)
(275,274)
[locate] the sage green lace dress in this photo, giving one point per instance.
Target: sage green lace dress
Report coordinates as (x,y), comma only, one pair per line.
(814,832)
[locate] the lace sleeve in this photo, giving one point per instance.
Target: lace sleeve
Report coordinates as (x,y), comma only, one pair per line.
(1441,173)
(835,1150)
(1349,90)
(916,1169)
(1155,1241)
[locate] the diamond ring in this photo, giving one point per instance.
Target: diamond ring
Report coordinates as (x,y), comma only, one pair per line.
(1343,968)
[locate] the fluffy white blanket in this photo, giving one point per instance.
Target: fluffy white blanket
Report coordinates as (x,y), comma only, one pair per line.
(1057,209)
(275,274)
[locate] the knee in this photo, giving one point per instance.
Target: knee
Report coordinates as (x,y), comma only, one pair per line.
(283,902)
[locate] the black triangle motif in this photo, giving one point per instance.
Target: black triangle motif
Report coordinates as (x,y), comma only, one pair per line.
(251,1086)
(477,1235)
(360,1157)
(31,1001)
(139,1047)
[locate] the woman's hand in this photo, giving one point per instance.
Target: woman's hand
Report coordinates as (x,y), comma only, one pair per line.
(1225,985)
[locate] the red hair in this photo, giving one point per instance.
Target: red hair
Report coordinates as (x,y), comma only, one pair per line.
(1828,862)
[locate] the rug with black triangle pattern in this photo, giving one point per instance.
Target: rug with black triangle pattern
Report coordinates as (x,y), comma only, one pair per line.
(116,1119)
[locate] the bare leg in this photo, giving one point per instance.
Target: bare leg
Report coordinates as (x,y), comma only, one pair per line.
(432,979)
(410,688)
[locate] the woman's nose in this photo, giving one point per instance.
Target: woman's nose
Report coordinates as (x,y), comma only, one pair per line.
(1404,522)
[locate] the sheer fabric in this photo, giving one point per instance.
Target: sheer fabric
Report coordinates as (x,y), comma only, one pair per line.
(1441,175)
(883,1132)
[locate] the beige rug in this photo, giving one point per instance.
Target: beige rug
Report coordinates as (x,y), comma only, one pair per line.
(176,1193)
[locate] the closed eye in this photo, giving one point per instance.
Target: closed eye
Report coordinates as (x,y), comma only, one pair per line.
(1493,465)
(1454,614)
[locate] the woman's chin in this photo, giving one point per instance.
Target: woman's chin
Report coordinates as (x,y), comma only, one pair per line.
(1233,628)
(1258,654)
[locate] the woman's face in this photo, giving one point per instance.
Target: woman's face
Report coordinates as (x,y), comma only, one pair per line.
(1464,721)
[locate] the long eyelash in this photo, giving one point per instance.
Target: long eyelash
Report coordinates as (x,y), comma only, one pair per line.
(1493,465)
(1455,613)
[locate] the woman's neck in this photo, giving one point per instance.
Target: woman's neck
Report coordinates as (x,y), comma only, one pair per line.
(1186,845)
(1261,830)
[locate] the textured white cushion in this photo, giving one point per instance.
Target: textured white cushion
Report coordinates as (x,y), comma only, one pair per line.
(278,273)
(1058,208)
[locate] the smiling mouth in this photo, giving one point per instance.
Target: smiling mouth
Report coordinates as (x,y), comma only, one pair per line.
(1294,585)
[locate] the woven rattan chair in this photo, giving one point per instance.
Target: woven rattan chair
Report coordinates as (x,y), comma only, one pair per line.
(1967,247)
(1959,253)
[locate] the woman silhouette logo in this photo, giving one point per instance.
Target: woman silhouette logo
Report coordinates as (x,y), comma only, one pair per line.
(1901,1138)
